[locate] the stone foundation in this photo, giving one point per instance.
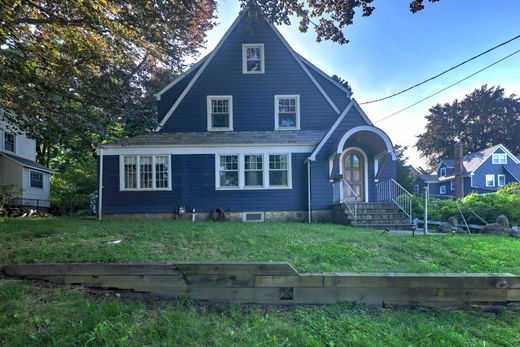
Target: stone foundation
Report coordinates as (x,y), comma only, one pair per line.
(321,216)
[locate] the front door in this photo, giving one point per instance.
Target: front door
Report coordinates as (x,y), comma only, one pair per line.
(353,167)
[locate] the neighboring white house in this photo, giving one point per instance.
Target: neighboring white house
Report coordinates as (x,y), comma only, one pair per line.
(19,168)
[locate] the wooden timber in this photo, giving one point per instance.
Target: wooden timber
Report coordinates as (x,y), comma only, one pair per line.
(278,283)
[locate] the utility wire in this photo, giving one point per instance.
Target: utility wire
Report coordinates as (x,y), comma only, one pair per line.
(451,85)
(442,73)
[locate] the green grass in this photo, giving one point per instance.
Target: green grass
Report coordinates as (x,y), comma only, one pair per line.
(65,317)
(316,247)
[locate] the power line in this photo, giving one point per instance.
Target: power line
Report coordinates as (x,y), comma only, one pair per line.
(442,73)
(451,85)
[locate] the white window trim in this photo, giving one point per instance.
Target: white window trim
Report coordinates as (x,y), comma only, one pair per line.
(138,173)
(452,185)
(498,180)
(495,158)
(209,98)
(276,112)
(241,172)
(442,190)
(245,46)
(30,179)
(441,170)
(486,178)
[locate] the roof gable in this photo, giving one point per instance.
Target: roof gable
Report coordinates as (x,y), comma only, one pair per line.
(219,61)
(472,161)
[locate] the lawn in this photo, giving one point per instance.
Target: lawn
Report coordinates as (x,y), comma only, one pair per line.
(34,315)
(316,247)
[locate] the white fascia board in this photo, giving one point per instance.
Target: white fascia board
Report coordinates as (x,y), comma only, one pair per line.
(324,75)
(331,130)
(505,150)
(295,56)
(214,149)
(181,77)
(199,72)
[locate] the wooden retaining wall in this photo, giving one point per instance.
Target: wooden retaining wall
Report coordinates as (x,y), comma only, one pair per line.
(279,283)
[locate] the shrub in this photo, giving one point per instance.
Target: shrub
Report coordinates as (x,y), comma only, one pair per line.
(8,193)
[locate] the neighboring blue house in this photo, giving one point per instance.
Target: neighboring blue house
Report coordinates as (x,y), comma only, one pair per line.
(485,171)
(253,128)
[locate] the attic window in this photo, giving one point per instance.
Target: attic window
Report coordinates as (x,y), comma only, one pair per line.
(499,158)
(287,112)
(442,172)
(253,58)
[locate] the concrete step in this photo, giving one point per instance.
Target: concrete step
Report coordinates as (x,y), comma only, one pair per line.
(386,216)
(382,226)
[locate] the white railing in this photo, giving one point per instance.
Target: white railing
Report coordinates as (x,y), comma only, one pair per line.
(342,193)
(392,191)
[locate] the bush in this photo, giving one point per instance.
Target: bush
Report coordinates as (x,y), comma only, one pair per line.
(488,206)
(8,193)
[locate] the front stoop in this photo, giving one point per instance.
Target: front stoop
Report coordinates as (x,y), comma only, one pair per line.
(377,215)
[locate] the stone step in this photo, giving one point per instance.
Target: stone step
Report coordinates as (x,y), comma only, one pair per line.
(378,211)
(382,226)
(387,217)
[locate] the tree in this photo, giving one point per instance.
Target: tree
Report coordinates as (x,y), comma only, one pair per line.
(78,69)
(343,82)
(332,16)
(403,170)
(484,118)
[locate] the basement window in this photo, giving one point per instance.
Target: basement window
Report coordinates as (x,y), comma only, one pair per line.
(253,217)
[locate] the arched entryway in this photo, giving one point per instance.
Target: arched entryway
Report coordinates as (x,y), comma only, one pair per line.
(354,172)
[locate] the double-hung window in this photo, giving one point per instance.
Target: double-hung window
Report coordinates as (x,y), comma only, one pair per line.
(220,113)
(253,171)
(228,171)
(490,180)
(253,61)
(442,172)
(499,158)
(287,112)
(9,141)
(36,179)
(145,172)
(501,180)
(442,189)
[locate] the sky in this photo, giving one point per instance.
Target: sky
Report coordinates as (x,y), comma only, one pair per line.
(394,49)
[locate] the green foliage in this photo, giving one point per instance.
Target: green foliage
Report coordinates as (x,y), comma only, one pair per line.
(309,247)
(73,183)
(8,193)
(403,170)
(488,206)
(484,118)
(343,82)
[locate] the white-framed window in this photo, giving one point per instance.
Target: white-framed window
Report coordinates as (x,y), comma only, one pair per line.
(442,190)
(499,158)
(9,142)
(145,172)
(253,59)
(501,180)
(452,185)
(228,171)
(442,172)
(287,112)
(36,179)
(253,171)
(490,180)
(220,113)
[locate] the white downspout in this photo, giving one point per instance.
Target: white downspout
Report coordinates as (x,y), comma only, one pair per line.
(309,212)
(100,188)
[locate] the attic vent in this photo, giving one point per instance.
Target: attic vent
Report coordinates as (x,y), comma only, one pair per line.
(252,216)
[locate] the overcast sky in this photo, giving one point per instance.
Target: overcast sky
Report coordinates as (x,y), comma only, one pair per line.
(394,49)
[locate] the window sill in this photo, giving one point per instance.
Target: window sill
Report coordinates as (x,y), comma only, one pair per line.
(254,188)
(287,128)
(220,129)
(145,190)
(253,72)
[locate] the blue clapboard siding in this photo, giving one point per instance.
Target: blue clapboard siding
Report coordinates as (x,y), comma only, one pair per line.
(488,168)
(193,178)
(336,94)
(253,94)
(449,170)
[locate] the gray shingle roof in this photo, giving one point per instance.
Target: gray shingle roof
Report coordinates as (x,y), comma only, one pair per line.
(473,160)
(26,162)
(292,137)
(514,170)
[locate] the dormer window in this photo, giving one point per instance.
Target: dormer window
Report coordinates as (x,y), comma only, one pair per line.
(442,172)
(220,113)
(9,141)
(253,58)
(287,112)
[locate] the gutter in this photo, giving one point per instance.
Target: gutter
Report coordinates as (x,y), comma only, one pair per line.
(100,187)
(309,199)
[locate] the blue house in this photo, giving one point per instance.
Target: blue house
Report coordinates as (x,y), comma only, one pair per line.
(253,128)
(484,171)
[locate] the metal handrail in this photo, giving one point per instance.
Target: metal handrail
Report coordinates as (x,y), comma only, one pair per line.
(392,191)
(338,196)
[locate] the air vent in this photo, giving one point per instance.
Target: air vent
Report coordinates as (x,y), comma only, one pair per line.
(252,216)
